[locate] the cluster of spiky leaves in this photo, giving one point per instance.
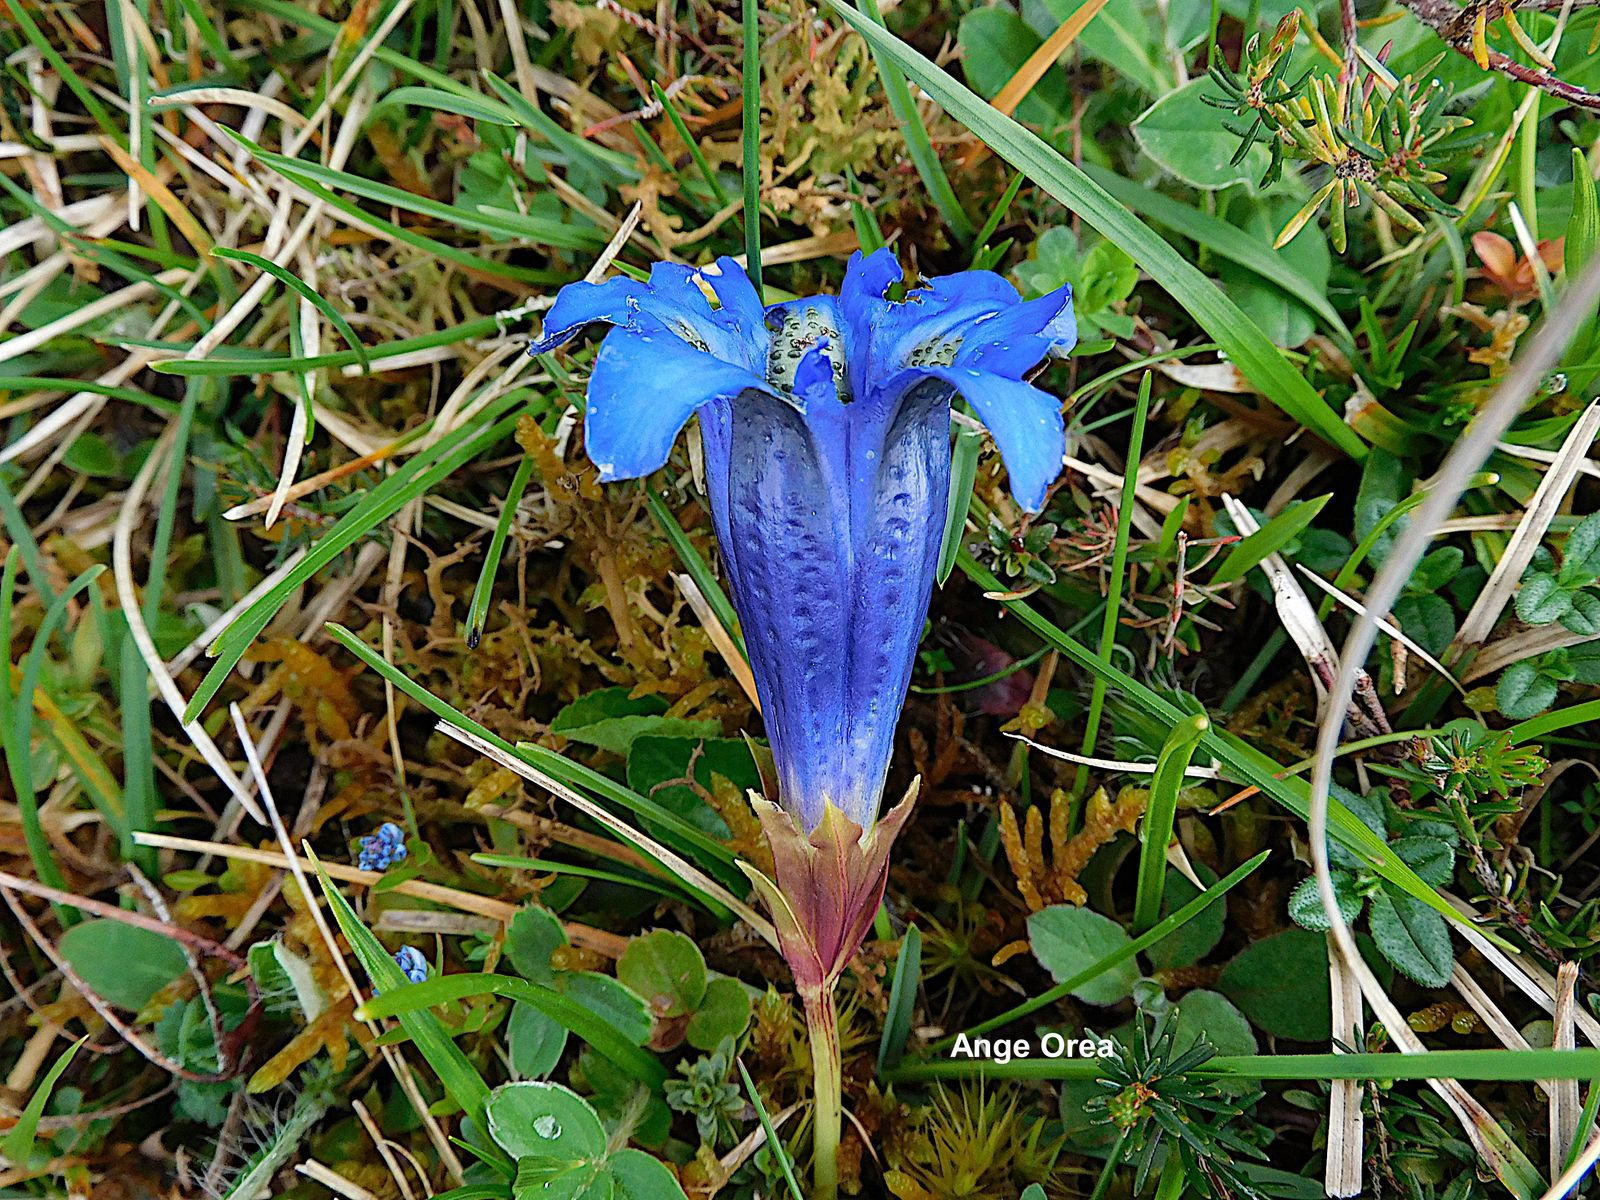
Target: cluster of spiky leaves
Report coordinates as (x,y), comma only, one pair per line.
(1153,1099)
(1377,137)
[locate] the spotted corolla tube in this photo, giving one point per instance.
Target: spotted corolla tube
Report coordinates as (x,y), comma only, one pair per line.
(825,423)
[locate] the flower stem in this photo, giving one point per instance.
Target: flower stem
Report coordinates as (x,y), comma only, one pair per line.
(822,1023)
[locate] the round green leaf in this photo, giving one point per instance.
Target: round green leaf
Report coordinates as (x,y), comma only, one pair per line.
(1211,1013)
(666,968)
(124,964)
(1522,692)
(638,1176)
(1281,984)
(545,1121)
(723,1013)
(534,934)
(1184,135)
(1068,941)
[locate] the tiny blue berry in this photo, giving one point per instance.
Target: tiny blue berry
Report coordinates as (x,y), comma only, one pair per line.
(381,850)
(409,959)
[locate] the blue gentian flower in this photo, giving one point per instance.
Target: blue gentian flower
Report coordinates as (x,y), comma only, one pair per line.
(410,961)
(381,850)
(826,429)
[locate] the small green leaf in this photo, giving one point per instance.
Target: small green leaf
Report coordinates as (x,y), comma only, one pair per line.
(656,763)
(1580,558)
(1584,662)
(1413,937)
(1433,860)
(544,1121)
(667,969)
(638,1176)
(1281,983)
(723,1013)
(1211,1013)
(611,719)
(1541,600)
(1305,904)
(534,934)
(535,1041)
(124,964)
(91,454)
(1522,692)
(1584,615)
(1068,940)
(995,42)
(1181,133)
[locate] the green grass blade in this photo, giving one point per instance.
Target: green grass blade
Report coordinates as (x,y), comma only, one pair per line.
(773,1144)
(414,479)
(22,541)
(478,611)
(1270,538)
(497,223)
(241,360)
(407,999)
(612,164)
(1159,814)
(1228,241)
(75,82)
(980,243)
(699,570)
(479,108)
(461,1080)
(718,192)
(902,999)
(1500,1066)
(300,288)
(1139,944)
(518,862)
(1119,571)
(19,1143)
(1552,722)
(52,383)
(963,474)
(17,735)
(1247,347)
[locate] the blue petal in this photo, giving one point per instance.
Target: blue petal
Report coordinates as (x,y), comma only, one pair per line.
(1014,340)
(900,493)
(615,302)
(674,301)
(644,388)
(831,528)
(867,280)
(1025,422)
(785,525)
